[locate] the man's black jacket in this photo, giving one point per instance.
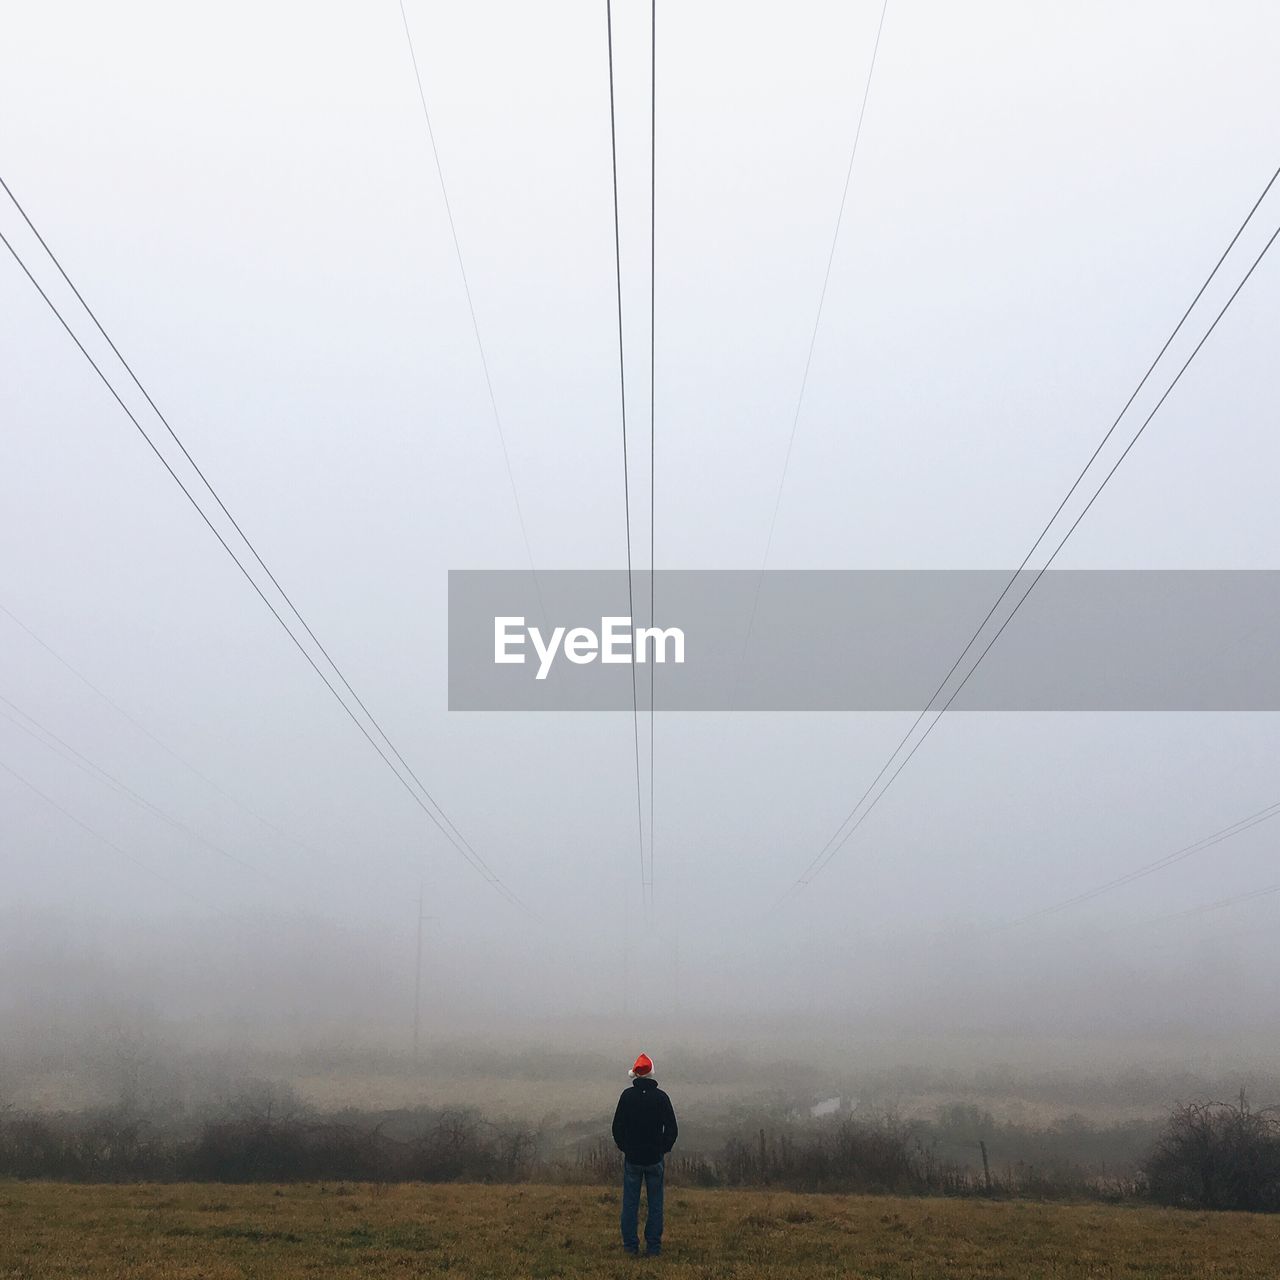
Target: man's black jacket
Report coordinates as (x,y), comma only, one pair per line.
(644,1125)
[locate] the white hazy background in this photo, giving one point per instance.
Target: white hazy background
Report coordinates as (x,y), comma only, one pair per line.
(246,196)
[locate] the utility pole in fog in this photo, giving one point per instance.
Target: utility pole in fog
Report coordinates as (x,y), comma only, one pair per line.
(676,1002)
(626,948)
(417,979)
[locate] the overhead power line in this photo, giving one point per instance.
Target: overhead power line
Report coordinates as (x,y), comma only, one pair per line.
(1235,900)
(653,397)
(1150,868)
(626,467)
(845,830)
(111,844)
(471,306)
(60,747)
(425,801)
(817,324)
(826,279)
(152,737)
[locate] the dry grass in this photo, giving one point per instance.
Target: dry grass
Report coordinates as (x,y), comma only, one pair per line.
(217,1232)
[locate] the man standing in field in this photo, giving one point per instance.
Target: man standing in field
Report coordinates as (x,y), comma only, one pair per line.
(644,1129)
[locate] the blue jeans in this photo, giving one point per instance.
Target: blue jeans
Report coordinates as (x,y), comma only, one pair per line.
(632,1176)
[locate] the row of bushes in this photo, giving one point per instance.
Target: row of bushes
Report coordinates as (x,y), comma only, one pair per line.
(114,1146)
(1209,1155)
(884,1157)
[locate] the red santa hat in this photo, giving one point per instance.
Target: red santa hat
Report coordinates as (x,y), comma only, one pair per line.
(643,1066)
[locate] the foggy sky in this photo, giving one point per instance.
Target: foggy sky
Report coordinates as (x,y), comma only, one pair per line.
(247,198)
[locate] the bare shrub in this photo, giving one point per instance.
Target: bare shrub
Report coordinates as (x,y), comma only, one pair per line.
(94,1146)
(879,1155)
(1218,1155)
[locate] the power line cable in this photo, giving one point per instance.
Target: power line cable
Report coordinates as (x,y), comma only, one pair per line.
(817,324)
(152,737)
(442,822)
(59,746)
(471,306)
(217,534)
(339,867)
(111,844)
(1040,573)
(837,841)
(653,395)
(1221,903)
(1150,868)
(67,753)
(826,277)
(1203,908)
(626,481)
(1075,484)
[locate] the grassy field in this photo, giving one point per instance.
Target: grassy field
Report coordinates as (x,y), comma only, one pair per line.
(214,1232)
